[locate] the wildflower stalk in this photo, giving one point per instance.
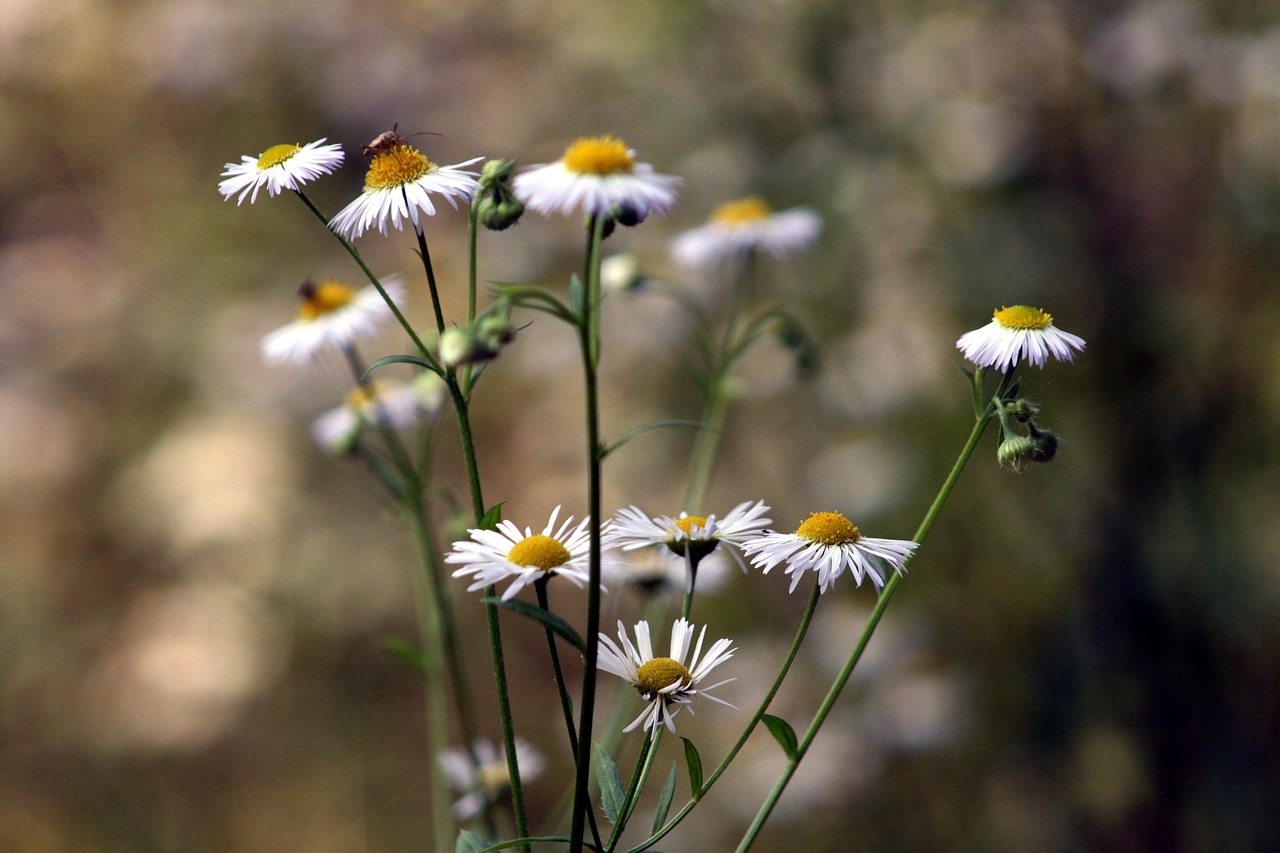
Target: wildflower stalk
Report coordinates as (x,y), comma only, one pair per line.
(805,620)
(886,595)
(566,703)
(589,341)
(644,765)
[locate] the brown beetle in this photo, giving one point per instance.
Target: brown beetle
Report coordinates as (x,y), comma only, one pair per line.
(389,139)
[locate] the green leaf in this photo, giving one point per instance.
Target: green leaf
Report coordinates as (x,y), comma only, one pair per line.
(664,800)
(694,761)
(471,842)
(782,733)
(643,428)
(404,359)
(407,653)
(546,617)
(492,517)
(612,795)
(577,296)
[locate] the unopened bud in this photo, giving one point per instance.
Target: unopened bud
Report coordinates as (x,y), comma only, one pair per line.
(495,172)
(1016,453)
(620,273)
(495,332)
(1022,409)
(499,210)
(1045,444)
(458,347)
(628,216)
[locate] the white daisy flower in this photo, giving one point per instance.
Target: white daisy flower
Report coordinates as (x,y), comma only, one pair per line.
(597,176)
(279,168)
(331,316)
(829,543)
(398,185)
(633,528)
(400,405)
(484,785)
(666,683)
(495,555)
(743,226)
(1015,333)
(657,570)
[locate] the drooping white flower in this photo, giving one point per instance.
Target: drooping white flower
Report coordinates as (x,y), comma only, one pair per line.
(490,556)
(331,316)
(597,176)
(633,528)
(279,168)
(743,226)
(1016,333)
(667,684)
(397,405)
(829,544)
(399,185)
(485,784)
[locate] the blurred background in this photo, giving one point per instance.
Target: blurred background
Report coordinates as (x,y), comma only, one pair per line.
(194,599)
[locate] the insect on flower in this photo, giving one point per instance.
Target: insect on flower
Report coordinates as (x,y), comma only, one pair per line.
(389,139)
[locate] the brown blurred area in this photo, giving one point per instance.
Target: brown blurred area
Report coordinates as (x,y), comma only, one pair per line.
(193,599)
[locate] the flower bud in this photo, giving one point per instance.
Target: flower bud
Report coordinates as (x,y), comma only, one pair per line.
(459,346)
(1016,453)
(1022,409)
(495,172)
(1045,444)
(628,216)
(499,210)
(495,332)
(619,273)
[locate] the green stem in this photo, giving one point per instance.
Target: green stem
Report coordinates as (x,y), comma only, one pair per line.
(805,620)
(644,764)
(373,279)
(589,342)
(566,703)
(431,277)
(883,602)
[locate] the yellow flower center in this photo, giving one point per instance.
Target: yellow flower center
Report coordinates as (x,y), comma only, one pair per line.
(658,673)
(743,210)
(1022,317)
(689,522)
(362,396)
(829,528)
(539,551)
(402,165)
(275,155)
(599,155)
(321,299)
(494,778)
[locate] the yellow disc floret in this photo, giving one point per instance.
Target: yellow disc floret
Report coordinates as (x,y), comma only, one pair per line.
(543,552)
(599,155)
(321,299)
(652,676)
(829,528)
(1022,317)
(275,155)
(689,522)
(402,165)
(740,211)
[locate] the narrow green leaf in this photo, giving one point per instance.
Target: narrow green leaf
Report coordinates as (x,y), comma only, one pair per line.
(403,359)
(694,761)
(782,733)
(643,428)
(612,795)
(577,296)
(405,652)
(547,618)
(664,800)
(492,517)
(471,842)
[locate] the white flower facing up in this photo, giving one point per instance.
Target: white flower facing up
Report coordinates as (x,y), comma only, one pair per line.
(486,784)
(668,684)
(743,226)
(1016,333)
(597,176)
(633,528)
(829,544)
(331,316)
(490,556)
(399,185)
(279,168)
(399,405)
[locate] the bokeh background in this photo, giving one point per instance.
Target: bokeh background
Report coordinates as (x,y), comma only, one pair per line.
(194,599)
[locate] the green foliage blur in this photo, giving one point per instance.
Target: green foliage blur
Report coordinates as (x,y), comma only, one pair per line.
(194,600)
